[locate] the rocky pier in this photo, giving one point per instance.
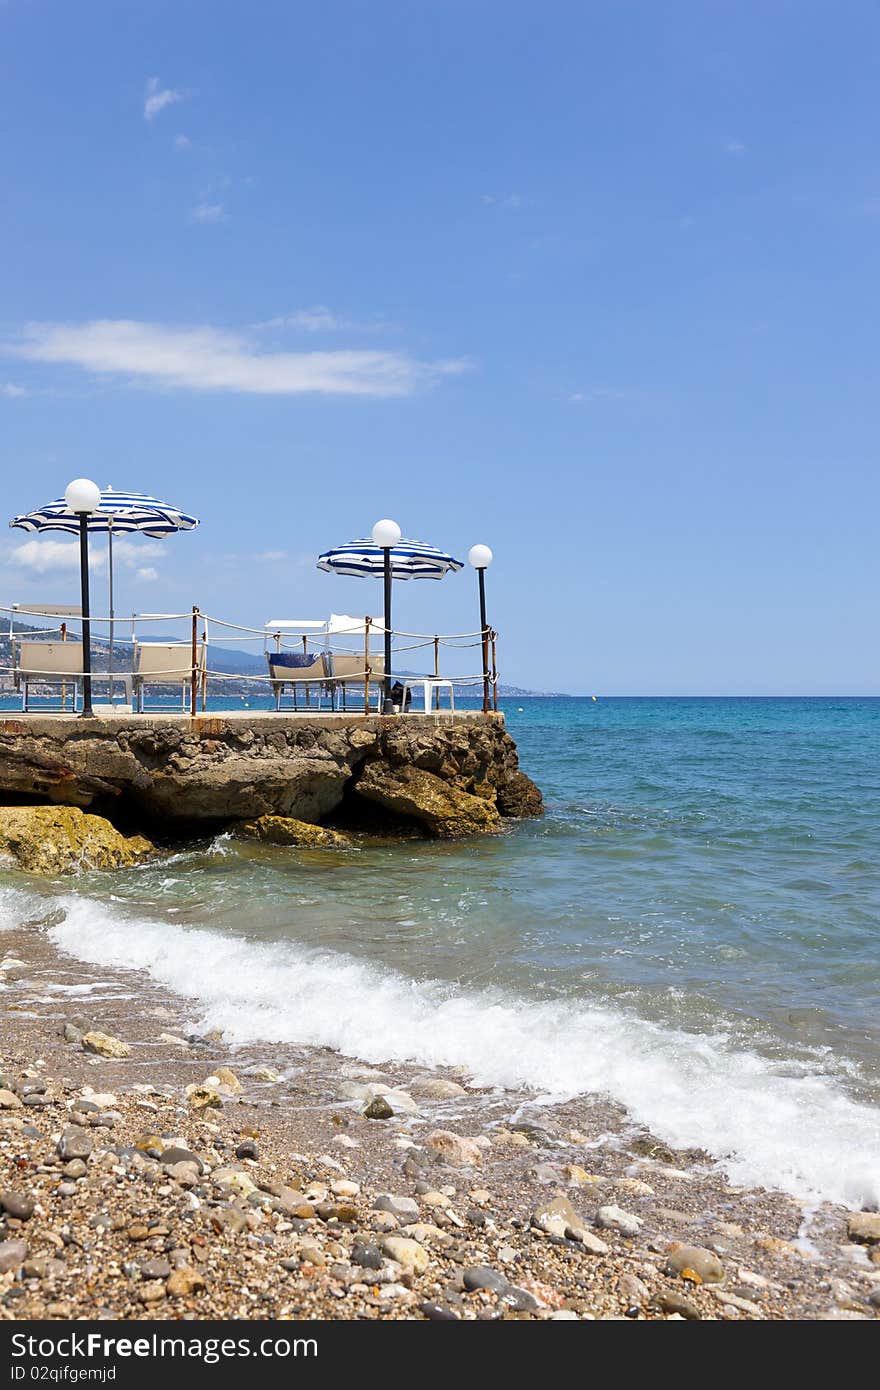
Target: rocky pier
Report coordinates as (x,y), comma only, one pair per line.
(99,791)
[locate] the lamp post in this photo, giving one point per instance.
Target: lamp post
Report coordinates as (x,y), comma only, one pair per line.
(480,556)
(83,497)
(386,534)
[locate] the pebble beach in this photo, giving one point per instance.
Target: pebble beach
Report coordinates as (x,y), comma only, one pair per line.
(150,1172)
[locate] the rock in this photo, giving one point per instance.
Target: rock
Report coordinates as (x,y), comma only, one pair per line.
(454,1149)
(615,1219)
(377,1109)
(285,830)
(152,1292)
(75,1142)
(688,1261)
(184,1281)
(367,1256)
(137,1231)
(155,1269)
(228,1220)
(407,1253)
(404,1208)
(444,810)
(438,1312)
(247,1149)
(557,1217)
(234,1180)
(225,1081)
(9,1100)
(436,1088)
(482,1277)
(203,1097)
(62,839)
(176,1154)
(864,1227)
(263,1073)
(215,769)
(104,1045)
(576,1176)
(75,1169)
(17,1205)
(12,1254)
(674,1303)
(630,1287)
(519,797)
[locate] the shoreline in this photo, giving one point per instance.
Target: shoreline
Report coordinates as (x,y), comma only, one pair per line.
(232,1233)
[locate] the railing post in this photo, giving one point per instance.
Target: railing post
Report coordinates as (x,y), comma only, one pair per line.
(194,690)
(367,665)
(494,672)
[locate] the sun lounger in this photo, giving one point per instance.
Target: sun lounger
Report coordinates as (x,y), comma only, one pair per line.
(299,670)
(48,663)
(349,669)
(169,663)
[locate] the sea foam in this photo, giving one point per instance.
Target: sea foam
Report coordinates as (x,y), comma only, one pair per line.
(766,1123)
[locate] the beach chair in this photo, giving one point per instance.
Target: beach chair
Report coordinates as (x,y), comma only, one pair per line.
(47,663)
(299,670)
(348,670)
(169,663)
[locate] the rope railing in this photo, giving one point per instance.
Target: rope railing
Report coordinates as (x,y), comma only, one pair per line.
(326,651)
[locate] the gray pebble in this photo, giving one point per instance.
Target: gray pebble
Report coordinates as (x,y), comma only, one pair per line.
(367,1256)
(17,1205)
(482,1277)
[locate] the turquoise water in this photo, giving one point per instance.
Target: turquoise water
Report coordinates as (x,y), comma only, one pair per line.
(693,928)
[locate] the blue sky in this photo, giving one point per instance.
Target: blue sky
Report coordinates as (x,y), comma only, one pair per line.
(593,283)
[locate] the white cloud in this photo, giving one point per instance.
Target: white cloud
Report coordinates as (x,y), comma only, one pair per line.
(208,212)
(270,557)
(46,555)
(158,97)
(182,142)
(214,359)
(320,319)
(147,574)
(734,147)
(9,388)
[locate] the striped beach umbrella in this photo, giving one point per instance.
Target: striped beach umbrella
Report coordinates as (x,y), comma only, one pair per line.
(409,560)
(119,514)
(391,555)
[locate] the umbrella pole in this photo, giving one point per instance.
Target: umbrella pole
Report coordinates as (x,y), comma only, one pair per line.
(86,617)
(388,703)
(110,567)
(484,629)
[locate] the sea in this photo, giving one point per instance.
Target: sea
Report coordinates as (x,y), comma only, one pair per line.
(693,929)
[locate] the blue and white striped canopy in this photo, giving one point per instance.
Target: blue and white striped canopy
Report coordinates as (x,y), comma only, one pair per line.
(409,560)
(119,512)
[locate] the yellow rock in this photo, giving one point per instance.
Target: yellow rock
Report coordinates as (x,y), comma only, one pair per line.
(104,1045)
(579,1177)
(203,1097)
(63,839)
(285,830)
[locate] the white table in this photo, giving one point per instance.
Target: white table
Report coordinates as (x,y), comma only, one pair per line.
(429,684)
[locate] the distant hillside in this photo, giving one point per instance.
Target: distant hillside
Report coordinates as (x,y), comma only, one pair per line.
(240,663)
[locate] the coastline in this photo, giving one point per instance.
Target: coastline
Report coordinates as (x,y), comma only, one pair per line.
(232,1233)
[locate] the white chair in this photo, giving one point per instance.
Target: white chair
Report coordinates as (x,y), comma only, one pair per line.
(169,663)
(48,663)
(431,686)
